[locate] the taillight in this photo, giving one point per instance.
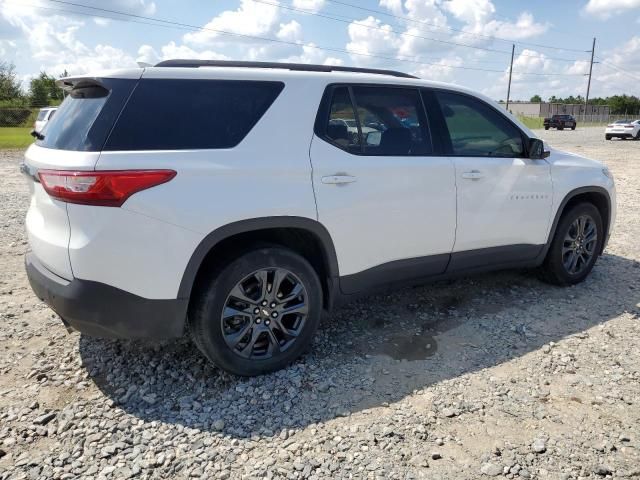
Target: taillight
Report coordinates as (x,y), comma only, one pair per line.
(610,126)
(107,188)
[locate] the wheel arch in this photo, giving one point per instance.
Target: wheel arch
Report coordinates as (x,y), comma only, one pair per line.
(306,236)
(598,196)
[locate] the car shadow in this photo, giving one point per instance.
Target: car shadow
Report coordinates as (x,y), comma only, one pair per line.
(369,353)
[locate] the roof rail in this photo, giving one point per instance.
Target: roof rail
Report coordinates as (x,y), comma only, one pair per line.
(301,67)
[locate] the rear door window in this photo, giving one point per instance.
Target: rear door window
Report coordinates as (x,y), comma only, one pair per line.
(171,114)
(392,121)
(83,120)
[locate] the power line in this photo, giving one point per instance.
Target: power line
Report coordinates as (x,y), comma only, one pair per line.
(158,22)
(615,67)
(387,14)
(359,23)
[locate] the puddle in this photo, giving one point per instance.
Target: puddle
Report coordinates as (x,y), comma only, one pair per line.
(404,347)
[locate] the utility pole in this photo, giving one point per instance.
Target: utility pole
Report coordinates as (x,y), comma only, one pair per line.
(513,49)
(586,100)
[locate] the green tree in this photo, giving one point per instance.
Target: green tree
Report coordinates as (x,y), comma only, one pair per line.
(536,99)
(43,90)
(9,84)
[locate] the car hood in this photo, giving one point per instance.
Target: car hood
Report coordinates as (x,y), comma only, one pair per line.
(561,158)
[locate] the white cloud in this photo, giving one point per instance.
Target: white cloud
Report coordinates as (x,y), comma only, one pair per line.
(52,41)
(607,8)
(310,54)
(627,57)
(251,18)
(371,37)
(470,11)
(101,22)
(311,5)
(443,70)
(394,6)
(290,32)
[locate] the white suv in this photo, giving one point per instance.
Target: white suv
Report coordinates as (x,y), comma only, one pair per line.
(224,199)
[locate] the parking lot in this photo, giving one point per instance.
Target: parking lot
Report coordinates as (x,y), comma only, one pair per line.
(495,375)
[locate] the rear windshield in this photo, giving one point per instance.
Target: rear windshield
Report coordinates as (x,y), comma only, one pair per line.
(170,114)
(85,117)
(622,121)
(42,114)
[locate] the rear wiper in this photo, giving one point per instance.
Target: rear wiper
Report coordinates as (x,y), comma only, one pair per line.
(37,135)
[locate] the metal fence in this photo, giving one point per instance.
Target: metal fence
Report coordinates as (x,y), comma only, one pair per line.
(19,116)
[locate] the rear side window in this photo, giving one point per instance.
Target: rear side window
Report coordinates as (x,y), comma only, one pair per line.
(342,128)
(392,121)
(85,117)
(477,130)
(191,114)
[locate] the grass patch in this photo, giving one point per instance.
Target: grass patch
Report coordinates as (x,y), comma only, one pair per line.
(532,122)
(15,137)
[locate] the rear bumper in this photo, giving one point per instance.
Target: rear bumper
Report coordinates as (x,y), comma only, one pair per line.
(619,135)
(101,310)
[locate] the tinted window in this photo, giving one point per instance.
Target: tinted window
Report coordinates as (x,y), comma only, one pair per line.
(42,114)
(85,117)
(392,121)
(478,130)
(191,114)
(342,129)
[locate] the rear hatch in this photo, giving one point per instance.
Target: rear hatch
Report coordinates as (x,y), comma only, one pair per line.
(72,140)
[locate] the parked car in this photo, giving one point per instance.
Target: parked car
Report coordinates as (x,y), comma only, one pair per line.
(44,116)
(259,212)
(560,122)
(352,127)
(623,129)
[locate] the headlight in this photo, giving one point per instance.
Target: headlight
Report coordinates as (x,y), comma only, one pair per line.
(607,172)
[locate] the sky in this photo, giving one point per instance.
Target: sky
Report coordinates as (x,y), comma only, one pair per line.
(467,42)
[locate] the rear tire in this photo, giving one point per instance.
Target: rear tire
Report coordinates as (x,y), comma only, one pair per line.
(546,128)
(258,313)
(573,128)
(575,247)
(607,137)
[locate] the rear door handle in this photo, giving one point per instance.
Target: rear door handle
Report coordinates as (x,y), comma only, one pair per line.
(473,175)
(338,179)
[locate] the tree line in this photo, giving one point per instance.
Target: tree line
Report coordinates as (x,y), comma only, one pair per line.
(42,91)
(619,104)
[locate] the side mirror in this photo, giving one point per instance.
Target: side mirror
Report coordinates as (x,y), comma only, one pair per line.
(536,149)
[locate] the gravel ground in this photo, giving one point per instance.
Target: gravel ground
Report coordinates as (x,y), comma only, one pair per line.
(497,375)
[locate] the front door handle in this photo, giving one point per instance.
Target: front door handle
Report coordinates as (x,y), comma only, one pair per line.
(338,179)
(473,175)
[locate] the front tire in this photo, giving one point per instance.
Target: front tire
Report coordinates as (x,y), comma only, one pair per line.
(575,246)
(258,313)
